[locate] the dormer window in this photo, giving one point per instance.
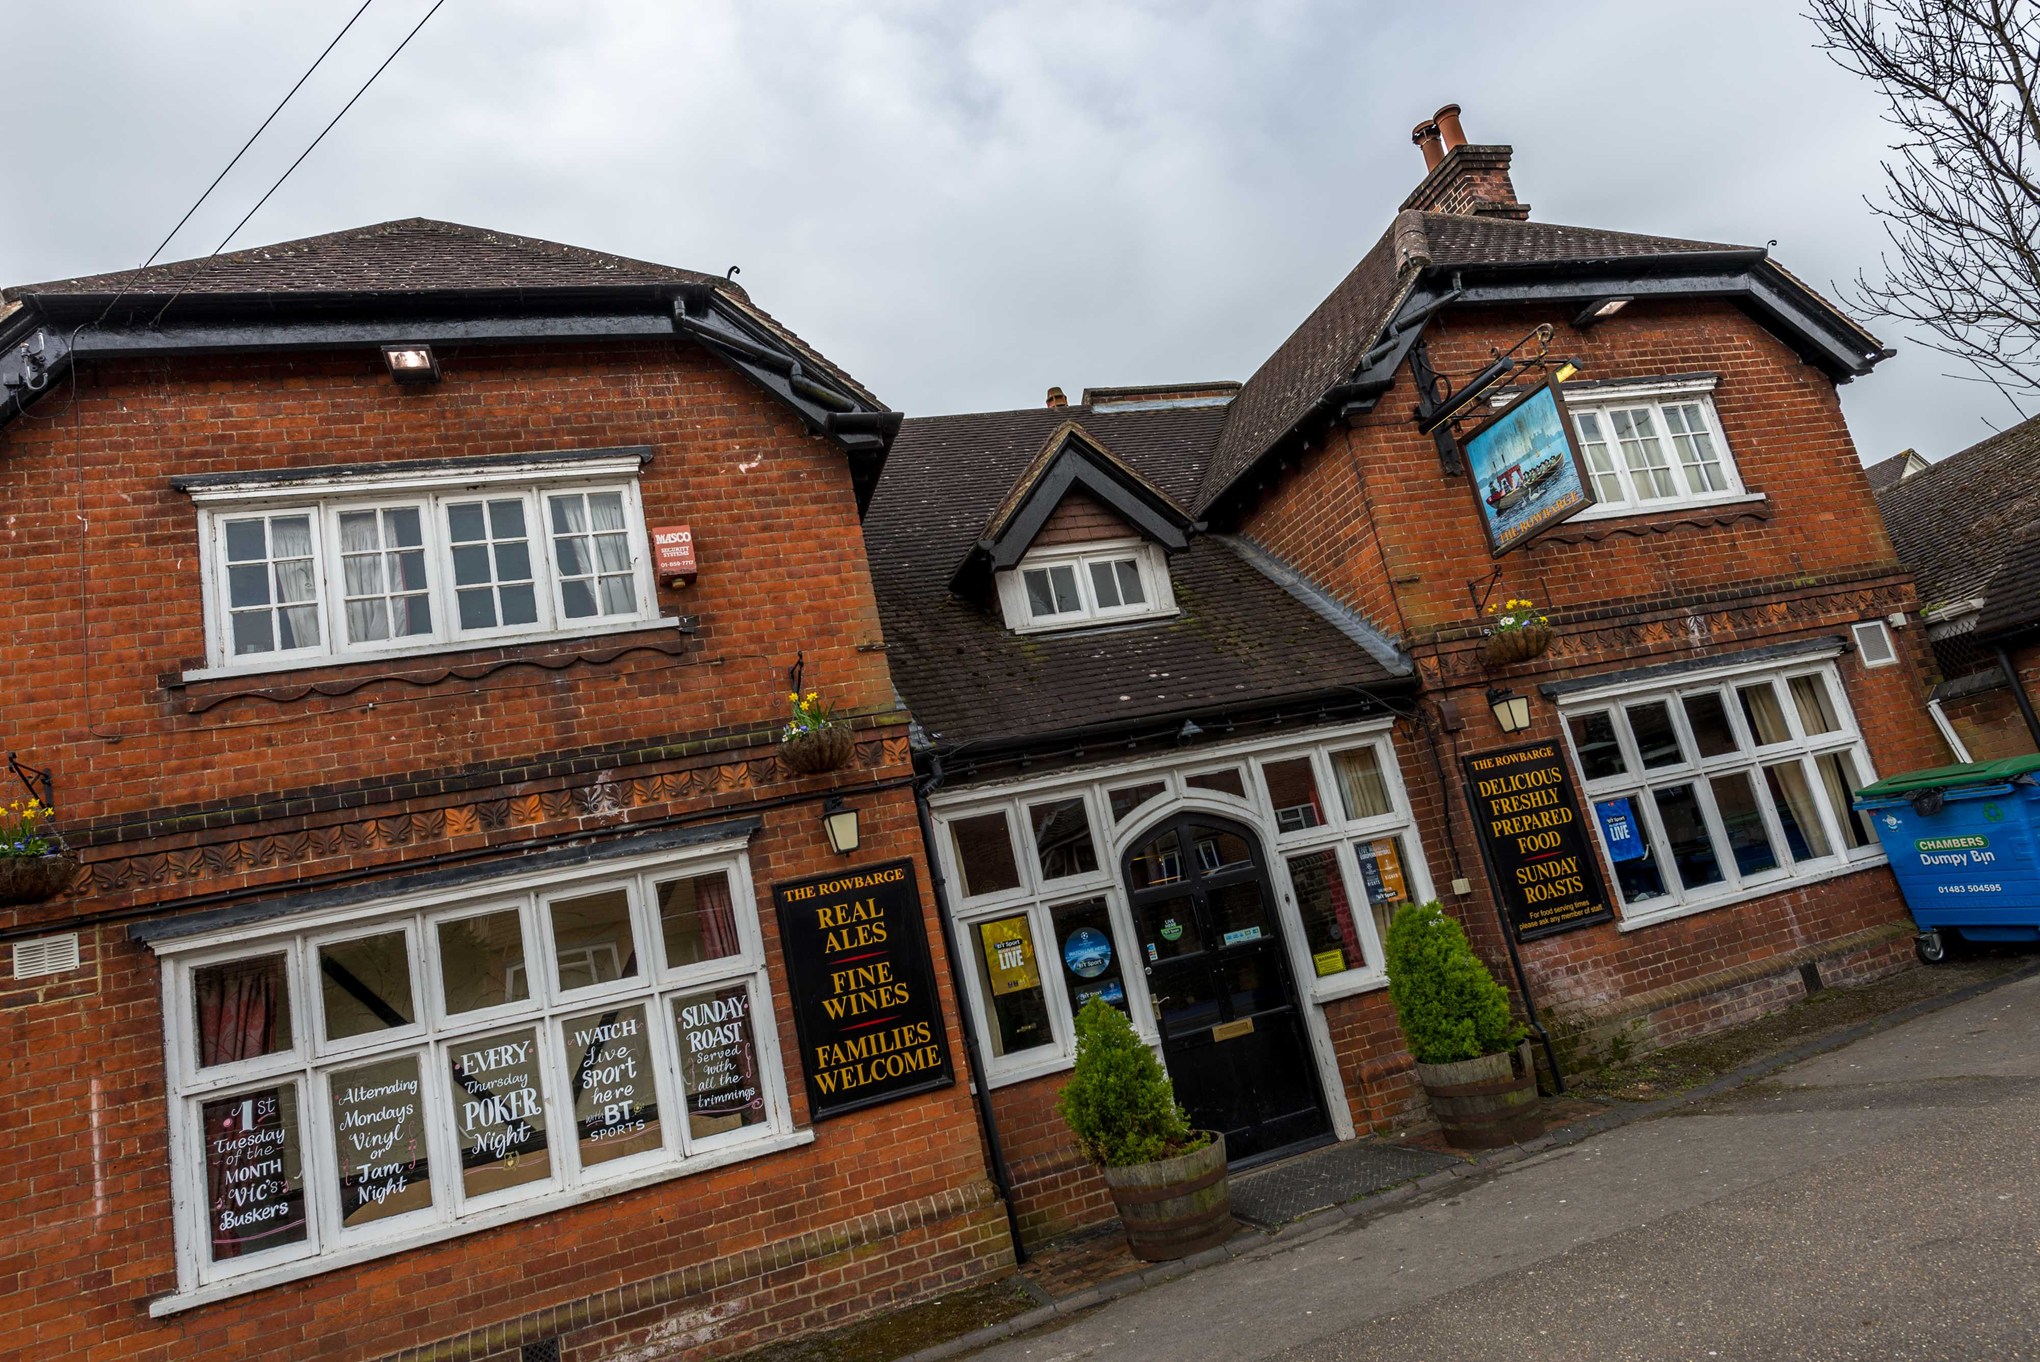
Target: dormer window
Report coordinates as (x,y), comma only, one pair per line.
(1077,584)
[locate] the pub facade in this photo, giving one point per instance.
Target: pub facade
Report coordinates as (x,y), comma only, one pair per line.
(459,964)
(1535,573)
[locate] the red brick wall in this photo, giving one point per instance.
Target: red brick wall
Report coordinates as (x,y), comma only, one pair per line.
(177,796)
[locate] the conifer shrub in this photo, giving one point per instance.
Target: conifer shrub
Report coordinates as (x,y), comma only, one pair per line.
(1450,1007)
(1118,1102)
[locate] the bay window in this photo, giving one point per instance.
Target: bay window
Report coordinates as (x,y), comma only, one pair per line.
(1710,791)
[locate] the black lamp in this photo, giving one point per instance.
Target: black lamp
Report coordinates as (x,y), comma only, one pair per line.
(1512,711)
(839,821)
(1600,310)
(411,363)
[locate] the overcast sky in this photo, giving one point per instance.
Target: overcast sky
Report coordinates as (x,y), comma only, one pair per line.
(964,203)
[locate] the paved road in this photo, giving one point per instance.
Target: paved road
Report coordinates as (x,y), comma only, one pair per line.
(1882,1201)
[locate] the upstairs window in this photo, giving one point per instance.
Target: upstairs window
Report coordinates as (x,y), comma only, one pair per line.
(371,572)
(1068,586)
(1649,451)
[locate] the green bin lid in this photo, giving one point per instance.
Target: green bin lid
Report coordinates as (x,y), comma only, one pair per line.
(1996,772)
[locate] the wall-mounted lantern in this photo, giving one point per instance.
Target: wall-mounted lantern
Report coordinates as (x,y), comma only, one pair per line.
(1512,711)
(411,363)
(839,821)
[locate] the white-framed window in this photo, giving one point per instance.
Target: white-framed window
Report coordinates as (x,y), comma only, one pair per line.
(1715,790)
(1040,908)
(402,1075)
(354,570)
(1078,584)
(1651,444)
(1873,643)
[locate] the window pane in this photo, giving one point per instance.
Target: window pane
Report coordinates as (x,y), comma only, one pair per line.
(1091,962)
(481,961)
(499,1111)
(1686,830)
(365,985)
(272,584)
(1227,781)
(1657,742)
(1600,463)
(247,542)
(698,920)
(1838,776)
(1594,739)
(610,1081)
(1292,789)
(1328,928)
(1239,913)
(1062,839)
(242,1008)
(592,552)
(984,854)
(1792,798)
(384,588)
(1130,589)
(1636,431)
(1742,819)
(1697,454)
(491,555)
(1040,598)
(1010,974)
(1361,787)
(1218,849)
(254,1172)
(1064,580)
(1127,798)
(378,1121)
(1765,717)
(1382,880)
(1810,699)
(592,942)
(719,1061)
(1159,862)
(1629,849)
(1707,717)
(1168,927)
(1104,585)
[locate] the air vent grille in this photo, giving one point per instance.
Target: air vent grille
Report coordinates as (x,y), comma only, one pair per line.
(46,955)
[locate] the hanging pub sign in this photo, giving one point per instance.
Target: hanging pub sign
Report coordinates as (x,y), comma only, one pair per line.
(863,988)
(1536,844)
(1526,471)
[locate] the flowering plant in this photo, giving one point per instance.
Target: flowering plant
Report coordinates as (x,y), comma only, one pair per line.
(811,714)
(24,828)
(1513,614)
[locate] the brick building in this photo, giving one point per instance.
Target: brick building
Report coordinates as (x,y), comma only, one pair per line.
(1203,682)
(1968,528)
(430,985)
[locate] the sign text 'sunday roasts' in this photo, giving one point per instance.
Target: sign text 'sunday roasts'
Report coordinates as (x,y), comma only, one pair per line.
(1524,808)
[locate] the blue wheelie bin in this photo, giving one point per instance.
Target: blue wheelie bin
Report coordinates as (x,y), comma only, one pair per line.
(1964,842)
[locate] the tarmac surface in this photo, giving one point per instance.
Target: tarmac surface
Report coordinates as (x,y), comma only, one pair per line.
(1880,1201)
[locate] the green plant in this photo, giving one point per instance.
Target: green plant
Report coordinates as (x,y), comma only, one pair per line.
(1451,1008)
(811,714)
(24,828)
(1118,1102)
(1514,614)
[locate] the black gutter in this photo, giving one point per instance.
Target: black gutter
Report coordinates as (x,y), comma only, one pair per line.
(1002,1175)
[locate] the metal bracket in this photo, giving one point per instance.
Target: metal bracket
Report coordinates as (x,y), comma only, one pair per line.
(1480,589)
(1439,408)
(796,672)
(39,783)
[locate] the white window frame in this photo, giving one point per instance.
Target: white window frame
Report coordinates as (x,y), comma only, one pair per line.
(1148,558)
(1035,899)
(1699,772)
(308,1064)
(325,498)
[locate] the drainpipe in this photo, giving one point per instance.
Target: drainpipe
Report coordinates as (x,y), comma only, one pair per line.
(1002,1176)
(2019,690)
(1954,739)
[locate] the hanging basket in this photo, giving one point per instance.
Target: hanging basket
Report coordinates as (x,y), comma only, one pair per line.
(817,750)
(1507,647)
(34,879)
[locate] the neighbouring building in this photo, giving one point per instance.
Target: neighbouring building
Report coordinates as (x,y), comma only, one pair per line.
(405,620)
(1206,682)
(1968,527)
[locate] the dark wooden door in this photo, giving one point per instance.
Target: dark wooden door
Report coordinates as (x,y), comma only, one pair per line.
(1225,1001)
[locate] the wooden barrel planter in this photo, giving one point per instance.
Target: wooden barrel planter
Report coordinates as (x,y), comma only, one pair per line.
(34,879)
(1507,647)
(817,750)
(1173,1208)
(1487,1102)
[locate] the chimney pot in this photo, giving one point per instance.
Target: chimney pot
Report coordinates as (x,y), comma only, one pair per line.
(1426,137)
(1449,130)
(1057,398)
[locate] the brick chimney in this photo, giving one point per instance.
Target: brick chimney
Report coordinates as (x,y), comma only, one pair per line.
(1465,179)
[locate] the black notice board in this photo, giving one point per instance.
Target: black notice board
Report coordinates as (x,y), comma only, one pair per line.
(864,1001)
(1528,819)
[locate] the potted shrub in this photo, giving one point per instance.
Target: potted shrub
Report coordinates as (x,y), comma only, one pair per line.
(814,739)
(1167,1180)
(1472,1057)
(1516,632)
(34,864)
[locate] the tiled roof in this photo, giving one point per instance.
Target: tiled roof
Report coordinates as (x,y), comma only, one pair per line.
(1326,349)
(2012,600)
(1240,639)
(1886,474)
(1953,523)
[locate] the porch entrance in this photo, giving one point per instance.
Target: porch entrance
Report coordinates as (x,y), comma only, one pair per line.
(1225,1001)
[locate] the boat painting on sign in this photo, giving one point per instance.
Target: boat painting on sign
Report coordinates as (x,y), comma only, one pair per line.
(1526,470)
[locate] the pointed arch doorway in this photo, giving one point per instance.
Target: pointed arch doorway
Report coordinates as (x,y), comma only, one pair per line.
(1225,999)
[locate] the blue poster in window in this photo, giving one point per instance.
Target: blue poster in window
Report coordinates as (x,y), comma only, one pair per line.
(1619,832)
